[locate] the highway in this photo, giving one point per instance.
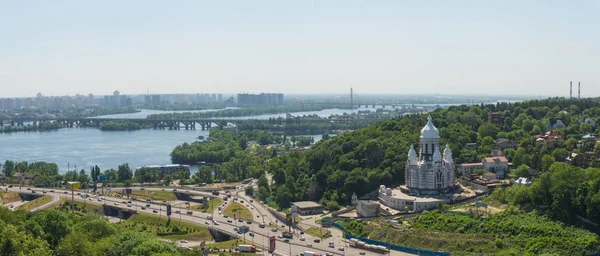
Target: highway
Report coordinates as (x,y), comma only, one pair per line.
(259,212)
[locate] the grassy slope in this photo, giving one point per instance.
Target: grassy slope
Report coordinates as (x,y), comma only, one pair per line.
(153,224)
(81,207)
(35,203)
(239,211)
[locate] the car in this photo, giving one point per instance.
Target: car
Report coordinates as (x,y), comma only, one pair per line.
(44,192)
(302,238)
(143,207)
(225,216)
(33,191)
(257,216)
(129,201)
(154,211)
(283,226)
(329,254)
(177,211)
(220,212)
(90,199)
(229,221)
(190,212)
(273,230)
(287,240)
(147,205)
(251,234)
(215,222)
(242,201)
(99,200)
(183,241)
(128,205)
(240,220)
(341,249)
(361,253)
(116,203)
(236,229)
(142,189)
(124,202)
(30,189)
(52,191)
(279,236)
(174,190)
(206,222)
(78,194)
(317,240)
(65,192)
(248,222)
(309,245)
(148,200)
(301,232)
(251,201)
(187,202)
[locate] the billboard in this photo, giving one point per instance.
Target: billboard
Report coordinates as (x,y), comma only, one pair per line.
(73,185)
(272,244)
(127,191)
(288,219)
(168,210)
(103,177)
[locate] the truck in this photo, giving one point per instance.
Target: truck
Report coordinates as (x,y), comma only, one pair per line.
(246,248)
(309,253)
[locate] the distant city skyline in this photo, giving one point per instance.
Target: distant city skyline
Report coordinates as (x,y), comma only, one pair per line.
(305,47)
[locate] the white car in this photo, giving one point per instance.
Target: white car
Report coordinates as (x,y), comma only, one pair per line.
(116,203)
(341,249)
(302,238)
(183,241)
(309,245)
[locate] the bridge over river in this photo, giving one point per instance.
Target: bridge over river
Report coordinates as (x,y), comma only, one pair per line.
(172,124)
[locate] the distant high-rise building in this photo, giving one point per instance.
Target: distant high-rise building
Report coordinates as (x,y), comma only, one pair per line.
(155,100)
(260,99)
(147,100)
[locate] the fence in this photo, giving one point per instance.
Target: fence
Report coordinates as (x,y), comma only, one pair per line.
(390,246)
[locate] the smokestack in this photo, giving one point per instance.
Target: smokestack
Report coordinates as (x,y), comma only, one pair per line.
(578,90)
(571,90)
(351,99)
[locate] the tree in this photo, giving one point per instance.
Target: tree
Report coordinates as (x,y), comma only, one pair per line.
(249,191)
(547,161)
(127,183)
(124,172)
(523,171)
(283,197)
(8,168)
(560,154)
(488,129)
(167,180)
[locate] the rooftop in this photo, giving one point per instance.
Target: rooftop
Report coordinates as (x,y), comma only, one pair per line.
(368,202)
(472,164)
(306,204)
(396,193)
(493,159)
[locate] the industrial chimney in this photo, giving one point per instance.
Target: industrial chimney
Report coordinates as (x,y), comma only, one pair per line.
(571,90)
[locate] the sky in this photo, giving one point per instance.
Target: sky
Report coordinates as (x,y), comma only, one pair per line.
(502,47)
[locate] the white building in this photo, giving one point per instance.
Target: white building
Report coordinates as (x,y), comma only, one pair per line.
(395,199)
(429,173)
(367,209)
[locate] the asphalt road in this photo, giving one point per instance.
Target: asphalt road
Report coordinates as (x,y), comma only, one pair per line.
(259,212)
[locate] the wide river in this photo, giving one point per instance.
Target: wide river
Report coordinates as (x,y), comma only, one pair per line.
(86,147)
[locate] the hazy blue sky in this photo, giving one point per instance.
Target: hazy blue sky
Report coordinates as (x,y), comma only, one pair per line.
(448,47)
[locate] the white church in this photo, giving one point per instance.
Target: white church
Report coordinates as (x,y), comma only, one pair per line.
(428,175)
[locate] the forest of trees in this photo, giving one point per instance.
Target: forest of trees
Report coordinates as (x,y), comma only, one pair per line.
(51,232)
(123,125)
(41,126)
(250,111)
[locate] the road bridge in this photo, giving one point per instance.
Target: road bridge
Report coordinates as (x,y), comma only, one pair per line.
(171,124)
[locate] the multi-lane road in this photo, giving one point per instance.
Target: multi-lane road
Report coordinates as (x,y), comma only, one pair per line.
(260,215)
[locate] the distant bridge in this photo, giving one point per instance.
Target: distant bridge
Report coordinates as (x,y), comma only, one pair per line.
(171,124)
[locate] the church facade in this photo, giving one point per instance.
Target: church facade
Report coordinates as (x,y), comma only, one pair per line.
(429,172)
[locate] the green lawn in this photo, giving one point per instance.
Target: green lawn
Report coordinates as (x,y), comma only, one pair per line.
(318,232)
(82,208)
(238,210)
(173,230)
(214,202)
(35,203)
(226,244)
(154,195)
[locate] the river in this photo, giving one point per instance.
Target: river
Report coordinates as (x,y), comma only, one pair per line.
(86,147)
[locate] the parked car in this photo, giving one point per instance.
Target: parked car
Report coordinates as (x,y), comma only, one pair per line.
(155,211)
